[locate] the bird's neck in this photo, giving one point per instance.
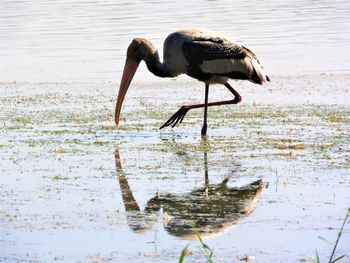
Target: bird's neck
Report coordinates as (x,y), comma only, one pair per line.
(156,67)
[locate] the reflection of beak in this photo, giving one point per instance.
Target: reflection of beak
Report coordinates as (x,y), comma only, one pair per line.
(128,73)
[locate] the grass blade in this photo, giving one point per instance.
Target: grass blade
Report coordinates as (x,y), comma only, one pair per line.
(208,252)
(183,254)
(339,235)
(317,257)
(325,240)
(338,258)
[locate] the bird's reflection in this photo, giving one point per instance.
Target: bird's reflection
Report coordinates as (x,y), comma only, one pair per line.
(212,210)
(138,221)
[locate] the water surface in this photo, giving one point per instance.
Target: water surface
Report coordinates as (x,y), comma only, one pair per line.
(271,181)
(86,40)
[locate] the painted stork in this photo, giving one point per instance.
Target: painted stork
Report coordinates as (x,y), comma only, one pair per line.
(201,54)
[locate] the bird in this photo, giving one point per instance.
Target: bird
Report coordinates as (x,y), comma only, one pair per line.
(205,55)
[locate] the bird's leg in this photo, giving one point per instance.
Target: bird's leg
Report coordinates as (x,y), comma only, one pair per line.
(204,128)
(237,98)
(180,114)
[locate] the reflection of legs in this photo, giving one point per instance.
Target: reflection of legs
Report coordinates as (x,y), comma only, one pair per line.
(206,175)
(180,114)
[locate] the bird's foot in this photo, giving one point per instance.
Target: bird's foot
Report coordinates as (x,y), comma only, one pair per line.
(237,99)
(177,117)
(204,130)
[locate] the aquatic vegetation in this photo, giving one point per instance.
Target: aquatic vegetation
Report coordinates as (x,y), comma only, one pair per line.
(332,259)
(207,251)
(22,119)
(58,170)
(337,119)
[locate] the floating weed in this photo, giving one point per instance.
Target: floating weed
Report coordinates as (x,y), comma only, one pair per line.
(100,143)
(336,119)
(13,128)
(290,147)
(23,119)
(61,150)
(31,144)
(58,178)
(57,132)
(107,127)
(277,140)
(289,154)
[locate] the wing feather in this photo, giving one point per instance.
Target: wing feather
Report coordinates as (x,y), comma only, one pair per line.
(216,57)
(196,52)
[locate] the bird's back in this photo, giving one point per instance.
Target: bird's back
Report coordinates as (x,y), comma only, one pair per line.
(211,57)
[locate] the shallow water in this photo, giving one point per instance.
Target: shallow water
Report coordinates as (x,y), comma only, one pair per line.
(76,189)
(73,188)
(86,40)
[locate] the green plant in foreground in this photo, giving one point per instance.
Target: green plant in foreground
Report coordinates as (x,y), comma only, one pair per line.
(184,253)
(331,260)
(208,252)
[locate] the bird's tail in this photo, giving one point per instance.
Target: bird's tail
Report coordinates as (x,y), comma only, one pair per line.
(258,75)
(255,69)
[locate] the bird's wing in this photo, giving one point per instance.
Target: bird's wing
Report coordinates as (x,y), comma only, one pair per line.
(196,52)
(207,58)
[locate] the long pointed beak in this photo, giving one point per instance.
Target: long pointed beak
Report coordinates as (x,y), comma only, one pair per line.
(128,73)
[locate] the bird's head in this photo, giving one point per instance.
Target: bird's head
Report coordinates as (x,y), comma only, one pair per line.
(139,49)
